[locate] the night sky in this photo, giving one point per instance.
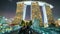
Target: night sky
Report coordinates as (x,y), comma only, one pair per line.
(8,8)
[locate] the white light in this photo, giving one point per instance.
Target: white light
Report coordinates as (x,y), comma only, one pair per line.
(45,14)
(6,19)
(59,19)
(51,6)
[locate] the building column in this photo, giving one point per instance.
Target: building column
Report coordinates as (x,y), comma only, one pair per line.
(49,15)
(36,12)
(45,16)
(24,12)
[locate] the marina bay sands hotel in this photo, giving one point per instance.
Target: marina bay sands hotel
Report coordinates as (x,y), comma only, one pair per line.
(39,10)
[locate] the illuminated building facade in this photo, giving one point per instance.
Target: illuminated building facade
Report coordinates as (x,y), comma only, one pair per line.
(57,23)
(19,13)
(35,12)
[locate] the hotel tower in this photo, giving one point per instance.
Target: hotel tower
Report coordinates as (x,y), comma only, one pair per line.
(41,11)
